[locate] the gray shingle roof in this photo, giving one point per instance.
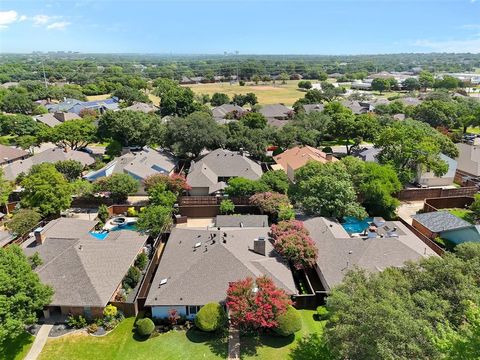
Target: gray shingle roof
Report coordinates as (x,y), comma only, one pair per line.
(275,111)
(313,107)
(83,270)
(244,220)
(50,156)
(439,221)
(221,111)
(142,107)
(339,253)
(222,163)
(196,277)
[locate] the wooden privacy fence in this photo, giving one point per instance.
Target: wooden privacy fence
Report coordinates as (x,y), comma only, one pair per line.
(422,194)
(435,204)
(210,200)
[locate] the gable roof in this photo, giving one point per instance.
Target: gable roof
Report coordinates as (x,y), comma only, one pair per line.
(275,111)
(221,111)
(54,119)
(298,156)
(139,164)
(355,106)
(241,221)
(340,253)
(313,107)
(53,155)
(439,221)
(142,107)
(9,153)
(83,270)
(196,277)
(222,163)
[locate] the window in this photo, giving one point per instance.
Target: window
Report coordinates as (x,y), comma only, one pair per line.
(192,309)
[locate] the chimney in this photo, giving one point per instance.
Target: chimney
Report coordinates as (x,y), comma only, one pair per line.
(259,246)
(328,156)
(39,236)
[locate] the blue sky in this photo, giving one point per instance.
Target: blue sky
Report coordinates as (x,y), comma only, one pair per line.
(249,26)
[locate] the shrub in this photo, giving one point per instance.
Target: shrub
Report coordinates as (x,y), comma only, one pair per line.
(289,322)
(227,207)
(141,261)
(110,311)
(327,149)
(285,213)
(210,317)
(145,327)
(77,322)
(241,83)
(103,213)
(132,278)
(92,328)
(132,212)
(322,312)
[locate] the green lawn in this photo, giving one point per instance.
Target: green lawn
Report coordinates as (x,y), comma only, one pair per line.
(16,349)
(464,214)
(276,347)
(122,344)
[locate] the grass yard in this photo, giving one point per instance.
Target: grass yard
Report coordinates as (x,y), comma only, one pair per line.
(463,214)
(98,97)
(266,93)
(16,349)
(276,347)
(122,344)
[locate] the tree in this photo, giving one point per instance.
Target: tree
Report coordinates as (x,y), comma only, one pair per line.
(327,190)
(130,95)
(114,148)
(155,219)
(178,101)
(311,347)
(242,187)
(210,317)
(255,304)
(132,278)
(253,120)
(75,134)
(81,188)
(21,291)
(284,77)
(5,188)
(437,113)
(160,195)
(448,82)
(28,142)
(270,202)
(411,84)
(292,241)
(141,261)
(71,169)
(305,84)
(118,185)
(175,183)
(276,180)
(189,136)
(23,221)
(17,103)
(103,213)
(380,84)
(129,128)
(426,80)
(219,99)
(19,125)
(227,207)
(408,145)
(289,323)
(46,189)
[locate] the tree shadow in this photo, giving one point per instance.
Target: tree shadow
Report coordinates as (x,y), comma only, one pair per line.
(217,341)
(138,337)
(250,343)
(10,349)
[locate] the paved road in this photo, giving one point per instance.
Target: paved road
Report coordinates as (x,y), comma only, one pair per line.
(39,342)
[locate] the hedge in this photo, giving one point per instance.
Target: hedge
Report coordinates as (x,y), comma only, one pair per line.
(289,322)
(210,317)
(145,327)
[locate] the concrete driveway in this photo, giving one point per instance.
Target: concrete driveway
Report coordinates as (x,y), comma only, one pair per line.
(409,208)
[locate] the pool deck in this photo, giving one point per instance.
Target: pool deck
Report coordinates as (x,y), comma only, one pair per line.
(110,225)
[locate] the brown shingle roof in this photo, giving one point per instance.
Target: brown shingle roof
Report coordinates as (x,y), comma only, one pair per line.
(297,157)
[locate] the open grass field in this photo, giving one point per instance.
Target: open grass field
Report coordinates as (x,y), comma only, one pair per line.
(123,344)
(16,349)
(266,93)
(98,97)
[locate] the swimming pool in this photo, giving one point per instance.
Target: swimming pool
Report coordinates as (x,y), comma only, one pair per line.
(354,225)
(103,235)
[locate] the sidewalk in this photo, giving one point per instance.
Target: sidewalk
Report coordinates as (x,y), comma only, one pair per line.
(233,343)
(39,342)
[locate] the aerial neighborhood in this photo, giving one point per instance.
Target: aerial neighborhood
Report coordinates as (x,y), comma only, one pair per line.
(245,208)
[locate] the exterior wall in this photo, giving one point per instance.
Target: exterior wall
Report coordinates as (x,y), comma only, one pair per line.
(198,191)
(428,178)
(95,312)
(161,312)
(469,159)
(461,235)
(423,230)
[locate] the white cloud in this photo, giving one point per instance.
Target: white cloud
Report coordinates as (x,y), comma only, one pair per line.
(7,17)
(60,25)
(22,18)
(471,45)
(41,19)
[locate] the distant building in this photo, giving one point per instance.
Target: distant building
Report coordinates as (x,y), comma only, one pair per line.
(428,178)
(9,154)
(76,106)
(313,107)
(468,161)
(276,114)
(54,119)
(227,112)
(142,107)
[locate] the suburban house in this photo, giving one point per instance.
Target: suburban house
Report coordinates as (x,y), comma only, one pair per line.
(84,272)
(9,154)
(410,101)
(428,178)
(53,155)
(468,161)
(313,107)
(386,244)
(198,264)
(138,164)
(293,159)
(211,173)
(356,106)
(276,114)
(227,112)
(54,119)
(142,107)
(446,226)
(369,154)
(76,106)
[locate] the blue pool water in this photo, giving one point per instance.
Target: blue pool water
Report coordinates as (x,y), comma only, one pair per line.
(103,235)
(354,225)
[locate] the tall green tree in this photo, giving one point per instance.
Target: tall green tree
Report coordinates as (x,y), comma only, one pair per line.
(120,186)
(22,294)
(74,134)
(5,188)
(155,219)
(129,128)
(23,220)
